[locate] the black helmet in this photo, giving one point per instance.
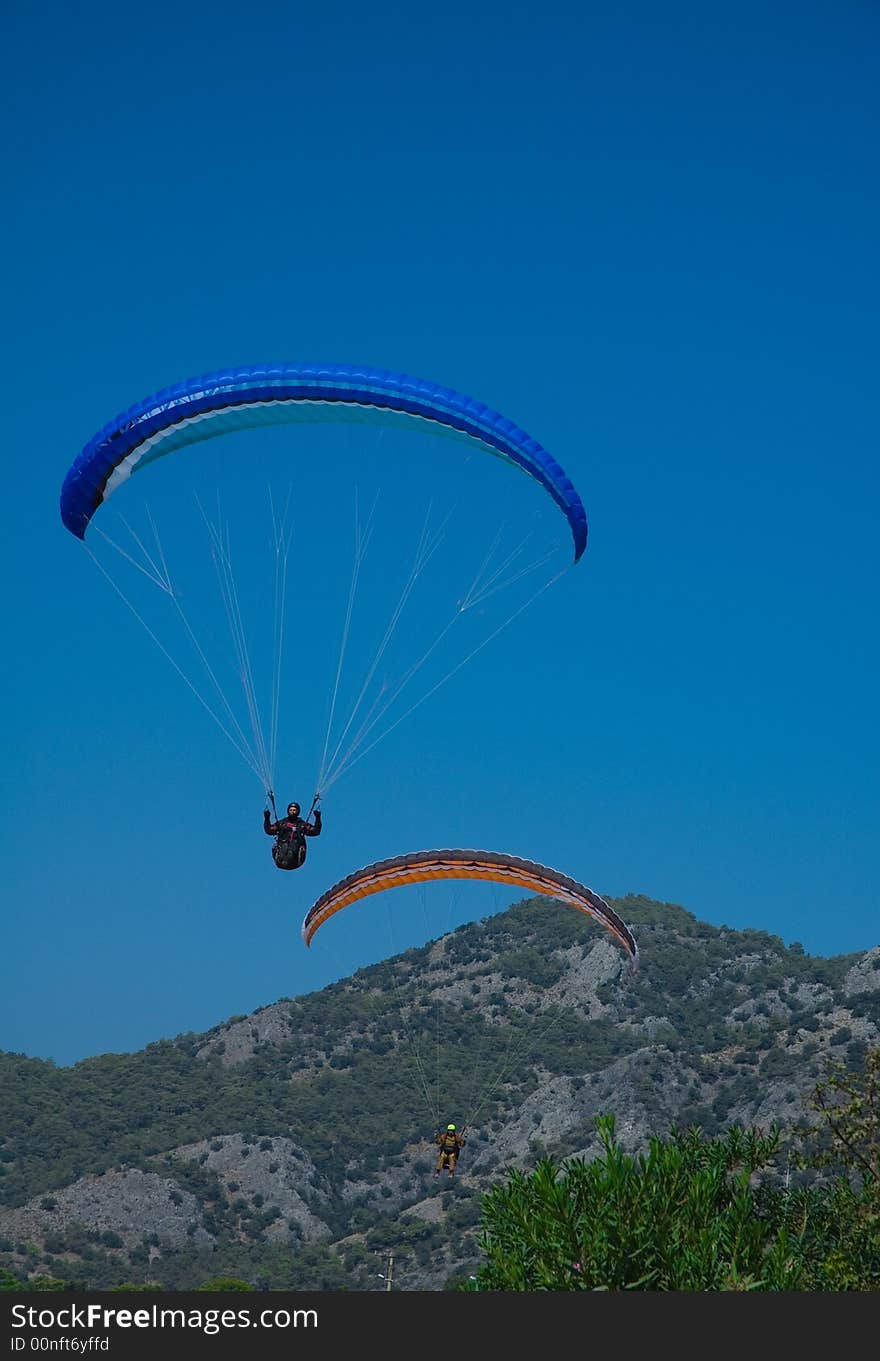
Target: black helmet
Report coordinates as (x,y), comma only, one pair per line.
(294,808)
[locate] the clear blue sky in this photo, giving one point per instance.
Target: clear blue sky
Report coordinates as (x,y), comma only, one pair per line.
(650,239)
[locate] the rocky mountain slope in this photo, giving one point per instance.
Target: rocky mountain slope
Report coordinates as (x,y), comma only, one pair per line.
(293,1147)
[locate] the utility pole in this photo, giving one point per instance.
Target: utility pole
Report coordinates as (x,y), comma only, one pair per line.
(388,1275)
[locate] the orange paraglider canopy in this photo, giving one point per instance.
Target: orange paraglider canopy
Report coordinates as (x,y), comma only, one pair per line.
(424,866)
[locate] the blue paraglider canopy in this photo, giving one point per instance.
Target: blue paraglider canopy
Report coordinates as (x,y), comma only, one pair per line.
(273,394)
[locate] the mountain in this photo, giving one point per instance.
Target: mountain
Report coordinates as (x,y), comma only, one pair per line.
(292,1148)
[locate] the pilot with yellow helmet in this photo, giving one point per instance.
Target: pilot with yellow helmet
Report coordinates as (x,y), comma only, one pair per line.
(451,1144)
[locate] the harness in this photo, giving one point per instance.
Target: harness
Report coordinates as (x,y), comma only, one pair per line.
(290,845)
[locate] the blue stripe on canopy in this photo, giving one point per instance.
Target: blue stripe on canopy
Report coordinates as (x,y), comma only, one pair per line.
(231,398)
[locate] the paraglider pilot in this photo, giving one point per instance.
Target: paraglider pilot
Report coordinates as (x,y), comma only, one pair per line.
(451,1144)
(290,832)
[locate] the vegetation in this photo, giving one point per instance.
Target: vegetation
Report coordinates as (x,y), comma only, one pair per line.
(690,1215)
(684,1216)
(323,1106)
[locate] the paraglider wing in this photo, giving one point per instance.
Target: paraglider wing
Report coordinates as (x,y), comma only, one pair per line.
(423,866)
(235,399)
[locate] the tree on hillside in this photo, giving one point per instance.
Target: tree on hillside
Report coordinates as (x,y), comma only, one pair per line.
(847,1136)
(847,1102)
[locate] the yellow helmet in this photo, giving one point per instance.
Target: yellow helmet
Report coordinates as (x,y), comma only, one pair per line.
(450,1127)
